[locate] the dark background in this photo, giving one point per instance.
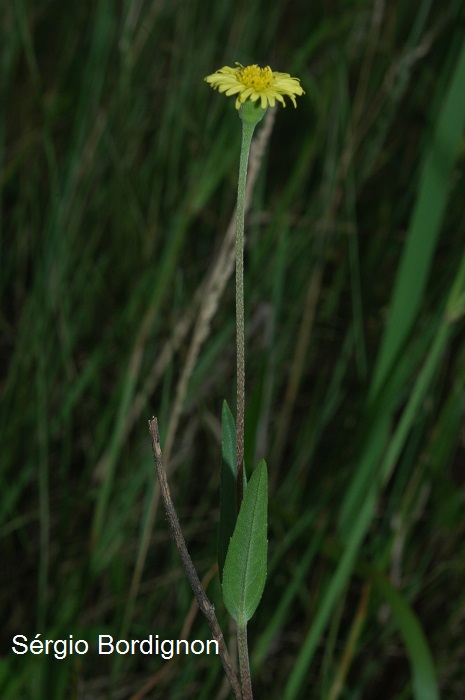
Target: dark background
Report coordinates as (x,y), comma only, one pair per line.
(118,169)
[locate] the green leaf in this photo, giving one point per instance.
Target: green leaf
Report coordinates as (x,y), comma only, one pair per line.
(228,485)
(244,573)
(424,679)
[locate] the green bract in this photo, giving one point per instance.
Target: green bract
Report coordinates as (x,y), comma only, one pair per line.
(252,112)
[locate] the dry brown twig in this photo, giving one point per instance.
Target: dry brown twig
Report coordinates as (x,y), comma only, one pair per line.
(202,600)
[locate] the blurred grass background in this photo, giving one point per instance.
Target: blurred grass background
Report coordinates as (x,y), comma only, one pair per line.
(118,168)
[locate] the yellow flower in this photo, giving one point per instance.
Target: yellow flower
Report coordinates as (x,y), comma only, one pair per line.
(254,83)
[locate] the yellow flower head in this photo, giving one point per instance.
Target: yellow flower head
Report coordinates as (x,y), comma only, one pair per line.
(254,83)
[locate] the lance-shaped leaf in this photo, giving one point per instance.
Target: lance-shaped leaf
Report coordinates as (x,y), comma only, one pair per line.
(244,573)
(228,485)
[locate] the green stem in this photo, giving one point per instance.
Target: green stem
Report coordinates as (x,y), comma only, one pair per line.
(244,666)
(247,133)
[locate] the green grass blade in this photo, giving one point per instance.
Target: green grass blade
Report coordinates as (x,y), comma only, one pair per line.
(326,605)
(424,681)
(362,519)
(426,223)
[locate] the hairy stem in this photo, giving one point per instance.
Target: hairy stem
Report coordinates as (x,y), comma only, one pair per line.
(247,133)
(244,666)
